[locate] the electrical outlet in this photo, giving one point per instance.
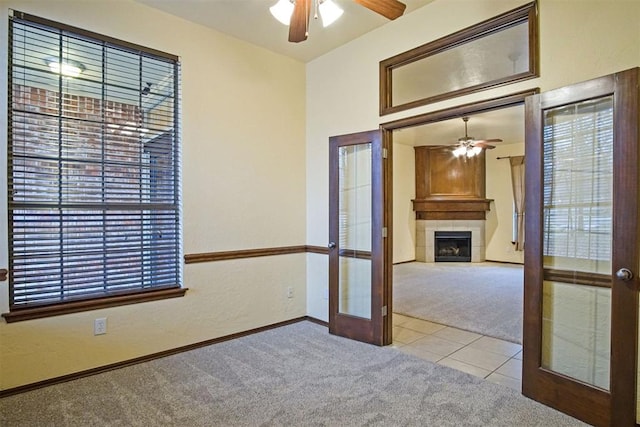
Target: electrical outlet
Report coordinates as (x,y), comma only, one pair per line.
(289,292)
(100,326)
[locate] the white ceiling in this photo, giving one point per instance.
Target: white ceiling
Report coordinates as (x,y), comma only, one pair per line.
(250,20)
(506,124)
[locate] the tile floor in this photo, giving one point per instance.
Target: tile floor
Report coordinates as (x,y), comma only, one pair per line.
(496,360)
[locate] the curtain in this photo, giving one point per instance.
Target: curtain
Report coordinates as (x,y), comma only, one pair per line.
(517,183)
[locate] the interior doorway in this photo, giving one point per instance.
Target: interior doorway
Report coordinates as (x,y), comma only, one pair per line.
(455,332)
(453,214)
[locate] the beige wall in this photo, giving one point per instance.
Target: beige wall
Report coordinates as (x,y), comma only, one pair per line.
(499,224)
(579,41)
(243,130)
(404,190)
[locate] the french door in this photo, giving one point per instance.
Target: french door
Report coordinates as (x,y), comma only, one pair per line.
(582,260)
(357,238)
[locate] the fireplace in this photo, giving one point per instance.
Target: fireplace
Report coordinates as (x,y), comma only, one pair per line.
(452,246)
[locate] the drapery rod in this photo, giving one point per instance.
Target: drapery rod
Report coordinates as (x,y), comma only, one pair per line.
(505,157)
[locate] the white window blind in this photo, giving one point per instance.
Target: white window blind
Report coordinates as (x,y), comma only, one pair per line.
(578,186)
(93,166)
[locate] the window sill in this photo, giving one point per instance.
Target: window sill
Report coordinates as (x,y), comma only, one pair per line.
(94,304)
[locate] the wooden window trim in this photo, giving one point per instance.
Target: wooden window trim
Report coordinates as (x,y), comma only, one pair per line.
(94,304)
(115,301)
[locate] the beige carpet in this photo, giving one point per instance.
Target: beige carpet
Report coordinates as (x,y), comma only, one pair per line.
(486,298)
(297,375)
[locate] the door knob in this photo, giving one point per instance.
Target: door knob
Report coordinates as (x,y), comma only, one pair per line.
(331,245)
(624,274)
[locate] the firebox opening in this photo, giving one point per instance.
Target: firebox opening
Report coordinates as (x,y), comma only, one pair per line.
(452,246)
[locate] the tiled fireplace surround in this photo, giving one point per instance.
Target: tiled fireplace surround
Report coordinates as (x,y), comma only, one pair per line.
(450,196)
(425,231)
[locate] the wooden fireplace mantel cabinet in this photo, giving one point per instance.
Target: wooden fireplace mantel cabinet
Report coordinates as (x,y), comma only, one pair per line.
(449,187)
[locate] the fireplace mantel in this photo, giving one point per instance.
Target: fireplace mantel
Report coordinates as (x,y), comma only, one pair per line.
(451,208)
(449,187)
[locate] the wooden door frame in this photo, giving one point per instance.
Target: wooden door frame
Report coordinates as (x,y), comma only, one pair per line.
(510,100)
(625,392)
(387,249)
(603,408)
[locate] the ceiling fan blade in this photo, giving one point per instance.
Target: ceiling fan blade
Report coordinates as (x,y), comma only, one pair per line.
(483,144)
(487,140)
(390,9)
(299,21)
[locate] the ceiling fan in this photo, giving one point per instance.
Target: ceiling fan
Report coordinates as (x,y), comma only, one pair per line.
(469,147)
(300,10)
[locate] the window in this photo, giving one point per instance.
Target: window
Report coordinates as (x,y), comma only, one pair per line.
(93,170)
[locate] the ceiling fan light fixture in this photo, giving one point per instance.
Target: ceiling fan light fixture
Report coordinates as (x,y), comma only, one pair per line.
(469,146)
(459,151)
(282,11)
(329,12)
(465,149)
(67,68)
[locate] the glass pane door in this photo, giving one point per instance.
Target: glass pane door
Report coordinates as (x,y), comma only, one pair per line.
(355,230)
(578,200)
(582,249)
(356,249)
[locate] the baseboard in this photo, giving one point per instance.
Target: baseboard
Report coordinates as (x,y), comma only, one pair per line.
(488,260)
(404,262)
(317,321)
(149,357)
(504,262)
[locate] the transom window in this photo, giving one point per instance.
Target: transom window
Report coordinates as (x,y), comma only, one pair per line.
(93,169)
